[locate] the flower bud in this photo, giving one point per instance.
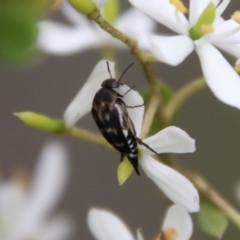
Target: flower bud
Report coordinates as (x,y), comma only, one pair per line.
(83,6)
(41,122)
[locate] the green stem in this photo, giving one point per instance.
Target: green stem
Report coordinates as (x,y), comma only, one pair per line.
(182,95)
(132,43)
(87,136)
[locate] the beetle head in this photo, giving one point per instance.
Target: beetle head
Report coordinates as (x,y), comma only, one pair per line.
(111,83)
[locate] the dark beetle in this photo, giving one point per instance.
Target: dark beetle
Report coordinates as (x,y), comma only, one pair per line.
(111,116)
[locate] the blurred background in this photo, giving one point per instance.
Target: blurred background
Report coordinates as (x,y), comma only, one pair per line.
(47,84)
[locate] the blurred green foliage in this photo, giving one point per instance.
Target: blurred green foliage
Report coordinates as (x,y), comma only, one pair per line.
(211,219)
(18,28)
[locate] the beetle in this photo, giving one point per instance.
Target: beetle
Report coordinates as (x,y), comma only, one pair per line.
(110,114)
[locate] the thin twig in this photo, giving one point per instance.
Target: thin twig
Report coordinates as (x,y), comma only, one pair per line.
(182,95)
(87,136)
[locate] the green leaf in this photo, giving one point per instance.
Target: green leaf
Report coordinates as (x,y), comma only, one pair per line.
(166,95)
(212,220)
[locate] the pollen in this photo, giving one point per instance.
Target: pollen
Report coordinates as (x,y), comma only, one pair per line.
(167,234)
(207,28)
(236,16)
(179,5)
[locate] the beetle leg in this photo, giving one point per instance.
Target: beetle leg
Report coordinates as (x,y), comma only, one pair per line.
(134,106)
(144,144)
(128,91)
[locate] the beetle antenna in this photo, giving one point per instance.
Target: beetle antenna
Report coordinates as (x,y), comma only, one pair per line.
(109,70)
(125,71)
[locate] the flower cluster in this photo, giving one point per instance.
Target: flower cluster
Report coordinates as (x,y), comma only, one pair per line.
(205,31)
(25,210)
(105,225)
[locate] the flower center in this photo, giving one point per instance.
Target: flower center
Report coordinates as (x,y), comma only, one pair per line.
(204,22)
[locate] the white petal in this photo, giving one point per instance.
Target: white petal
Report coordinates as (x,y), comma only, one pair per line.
(59,228)
(233,49)
(225,32)
(133,98)
(82,103)
(12,198)
(48,183)
(105,225)
(139,235)
(195,10)
(178,219)
(221,7)
(220,75)
(164,13)
(174,185)
(59,39)
(171,50)
(129,23)
(169,140)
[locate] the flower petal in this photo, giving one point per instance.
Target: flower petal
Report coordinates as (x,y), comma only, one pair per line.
(133,98)
(221,7)
(105,225)
(59,228)
(170,139)
(171,50)
(129,23)
(178,219)
(174,185)
(77,109)
(49,181)
(59,39)
(164,13)
(233,49)
(139,235)
(220,75)
(225,32)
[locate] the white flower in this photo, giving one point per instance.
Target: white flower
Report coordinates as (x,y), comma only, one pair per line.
(61,39)
(25,210)
(105,225)
(171,139)
(225,35)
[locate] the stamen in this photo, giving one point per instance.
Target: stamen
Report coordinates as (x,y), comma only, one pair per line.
(207,28)
(179,5)
(236,16)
